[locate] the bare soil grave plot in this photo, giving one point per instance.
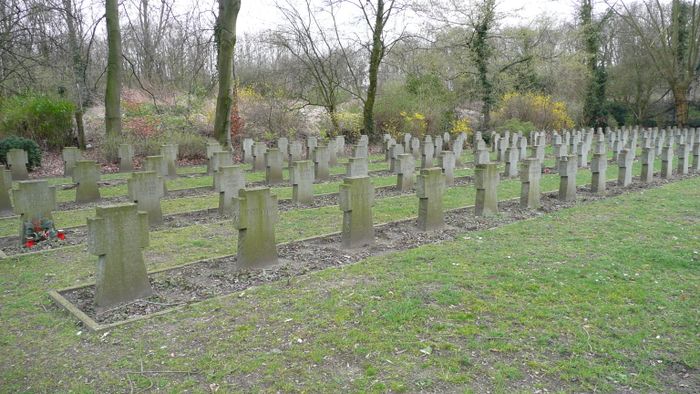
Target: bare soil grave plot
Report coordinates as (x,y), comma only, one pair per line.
(199,281)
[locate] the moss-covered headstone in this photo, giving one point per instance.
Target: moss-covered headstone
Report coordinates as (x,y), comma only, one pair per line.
(320,159)
(248,150)
(625,159)
(116,235)
(259,149)
(302,179)
(405,173)
(446,160)
(228,180)
(294,152)
(146,189)
(683,157)
(5,190)
(356,200)
(86,174)
(70,155)
(667,161)
(486,181)
(273,166)
(647,159)
(356,166)
(17,163)
(254,216)
(34,202)
(567,178)
(169,153)
(530,175)
(599,169)
(430,190)
(126,158)
(427,153)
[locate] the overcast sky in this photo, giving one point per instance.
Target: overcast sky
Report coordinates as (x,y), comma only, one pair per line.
(259,15)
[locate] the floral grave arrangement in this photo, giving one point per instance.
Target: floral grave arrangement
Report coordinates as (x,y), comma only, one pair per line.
(41,230)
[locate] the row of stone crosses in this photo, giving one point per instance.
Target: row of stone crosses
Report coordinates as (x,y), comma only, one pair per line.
(123,276)
(117,233)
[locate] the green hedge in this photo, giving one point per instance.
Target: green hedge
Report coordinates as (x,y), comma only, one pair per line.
(39,118)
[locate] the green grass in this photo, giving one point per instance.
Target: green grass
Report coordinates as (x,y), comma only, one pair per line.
(600,297)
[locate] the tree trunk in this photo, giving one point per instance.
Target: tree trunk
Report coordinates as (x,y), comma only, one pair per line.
(81,128)
(680,99)
(114,62)
(78,71)
(374,60)
(225,35)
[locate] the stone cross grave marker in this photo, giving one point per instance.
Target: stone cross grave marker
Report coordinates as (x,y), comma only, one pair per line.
(169,153)
(228,180)
(407,142)
(624,167)
(34,200)
(387,148)
(212,147)
(567,178)
(360,150)
(356,199)
(220,159)
(511,158)
(427,153)
(255,215)
(486,181)
(283,146)
(457,148)
(648,156)
(302,179)
(530,175)
(356,166)
(117,236)
(126,158)
(396,150)
(667,161)
(430,190)
(259,149)
(320,159)
(311,144)
(70,155)
(696,154)
(447,164)
(683,157)
(340,145)
(86,174)
(405,176)
(332,153)
(146,189)
(294,152)
(5,190)
(599,168)
(415,148)
(273,166)
(247,150)
(17,163)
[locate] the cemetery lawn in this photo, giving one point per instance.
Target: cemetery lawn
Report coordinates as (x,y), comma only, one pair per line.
(601,297)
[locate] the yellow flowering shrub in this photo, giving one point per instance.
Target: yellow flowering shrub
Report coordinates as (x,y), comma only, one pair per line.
(461,126)
(541,110)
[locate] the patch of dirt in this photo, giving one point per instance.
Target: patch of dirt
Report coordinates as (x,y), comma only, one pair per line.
(200,281)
